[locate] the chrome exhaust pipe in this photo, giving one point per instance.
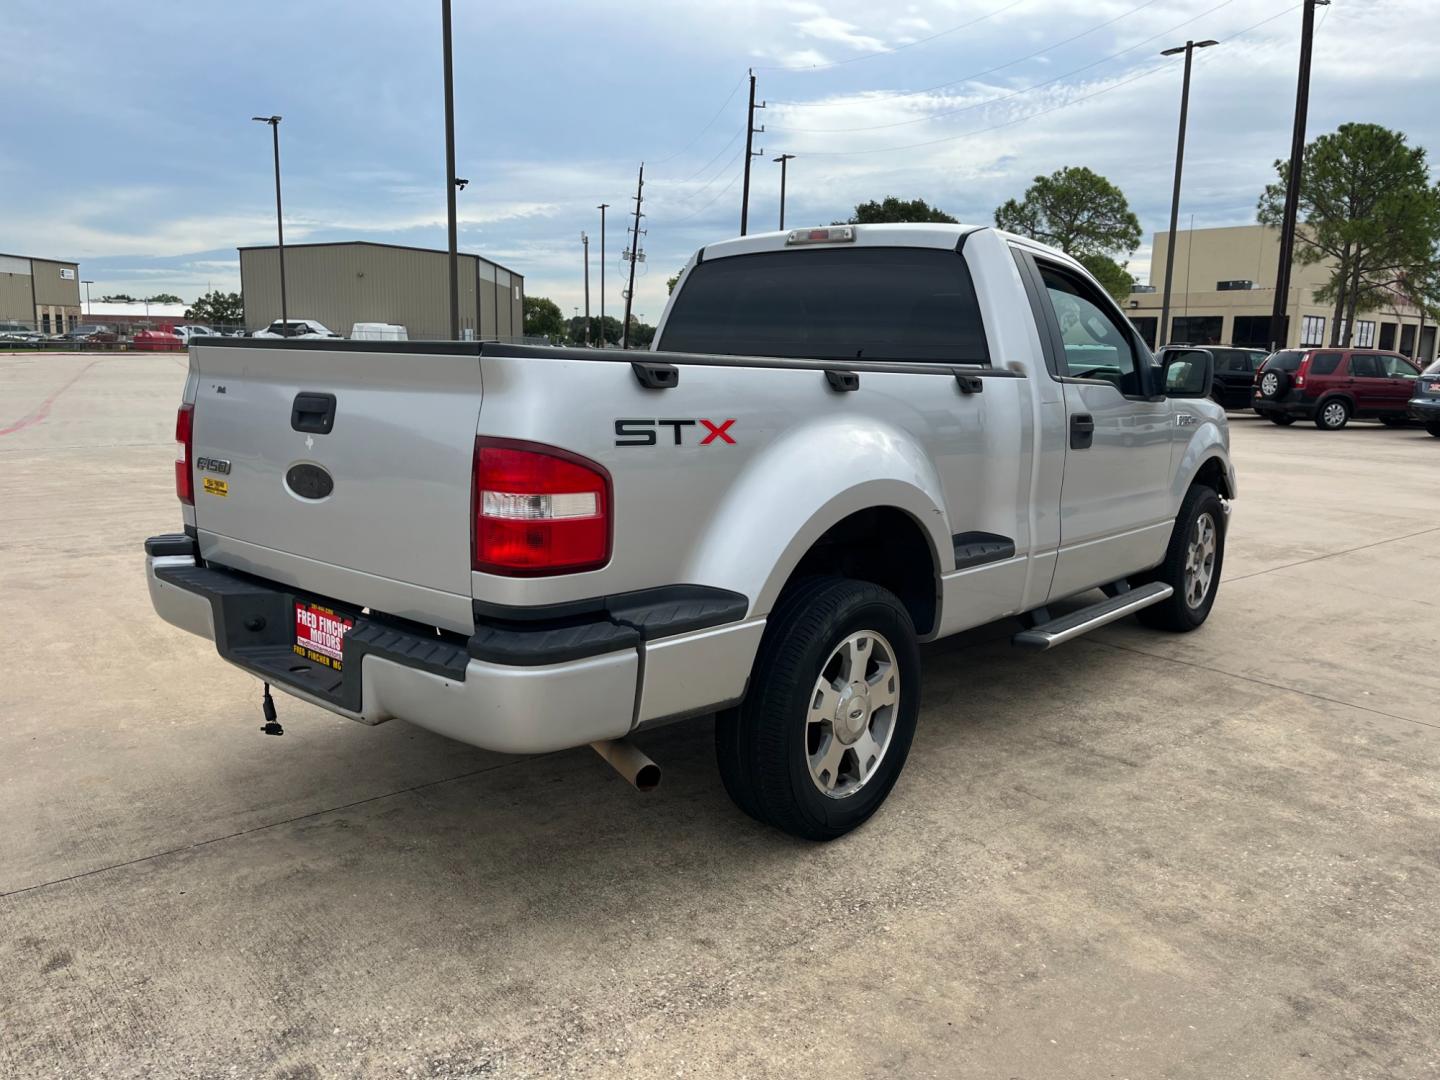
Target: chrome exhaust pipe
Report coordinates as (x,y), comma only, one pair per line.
(630,762)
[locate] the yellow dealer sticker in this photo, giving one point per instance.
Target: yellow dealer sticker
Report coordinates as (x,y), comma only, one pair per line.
(216,487)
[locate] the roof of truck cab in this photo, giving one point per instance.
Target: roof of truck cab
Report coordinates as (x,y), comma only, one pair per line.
(910,234)
(899,234)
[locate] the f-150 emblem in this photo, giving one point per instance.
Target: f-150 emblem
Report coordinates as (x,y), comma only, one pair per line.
(213,464)
(646,432)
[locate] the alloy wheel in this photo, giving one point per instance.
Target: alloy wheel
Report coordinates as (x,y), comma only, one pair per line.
(852,714)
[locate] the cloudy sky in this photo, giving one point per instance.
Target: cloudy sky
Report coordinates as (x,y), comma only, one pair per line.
(126,141)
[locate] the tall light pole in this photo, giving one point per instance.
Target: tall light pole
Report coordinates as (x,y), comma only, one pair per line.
(783,159)
(602,208)
(87,285)
(1279,333)
(1163,337)
(274,122)
(585,243)
(451,183)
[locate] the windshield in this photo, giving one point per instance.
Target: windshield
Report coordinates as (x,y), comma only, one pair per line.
(914,305)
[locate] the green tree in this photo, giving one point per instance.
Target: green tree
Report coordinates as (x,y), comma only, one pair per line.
(164,298)
(641,334)
(671,282)
(892,210)
(1084,215)
(1367,209)
(543,318)
(118,298)
(217,309)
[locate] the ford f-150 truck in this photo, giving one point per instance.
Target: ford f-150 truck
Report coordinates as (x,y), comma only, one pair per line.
(845,441)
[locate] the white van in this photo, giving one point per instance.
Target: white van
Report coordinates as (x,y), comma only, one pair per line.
(378,331)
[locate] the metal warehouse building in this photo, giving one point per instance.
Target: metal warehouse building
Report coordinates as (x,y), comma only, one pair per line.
(44,294)
(342,284)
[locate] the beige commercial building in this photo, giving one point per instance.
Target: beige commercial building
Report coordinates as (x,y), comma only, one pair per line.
(1224,290)
(342,284)
(41,294)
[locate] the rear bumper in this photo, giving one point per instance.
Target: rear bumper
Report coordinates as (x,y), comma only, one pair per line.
(1426,409)
(1300,409)
(392,671)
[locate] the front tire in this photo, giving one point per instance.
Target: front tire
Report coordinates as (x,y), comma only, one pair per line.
(825,728)
(1192,565)
(1433,428)
(1332,415)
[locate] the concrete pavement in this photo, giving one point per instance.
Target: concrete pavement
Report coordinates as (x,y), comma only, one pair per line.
(1136,856)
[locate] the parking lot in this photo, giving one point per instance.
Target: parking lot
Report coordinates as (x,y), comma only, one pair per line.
(1135,856)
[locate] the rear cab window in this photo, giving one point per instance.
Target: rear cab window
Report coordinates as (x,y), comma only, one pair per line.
(1325,363)
(905,305)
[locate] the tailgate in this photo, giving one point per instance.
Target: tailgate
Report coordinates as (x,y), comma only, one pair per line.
(393,530)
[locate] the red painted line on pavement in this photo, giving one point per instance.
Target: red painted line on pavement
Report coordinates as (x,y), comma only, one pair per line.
(43,409)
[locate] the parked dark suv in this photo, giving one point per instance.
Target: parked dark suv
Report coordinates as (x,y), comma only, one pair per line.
(1332,386)
(1425,405)
(1235,369)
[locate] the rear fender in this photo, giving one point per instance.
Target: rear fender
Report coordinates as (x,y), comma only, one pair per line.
(802,486)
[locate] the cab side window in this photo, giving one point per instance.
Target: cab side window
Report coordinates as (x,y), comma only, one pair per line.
(1397,367)
(1325,363)
(1095,346)
(1365,367)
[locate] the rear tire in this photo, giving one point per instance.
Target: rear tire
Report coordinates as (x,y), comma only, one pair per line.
(1281,420)
(1395,421)
(1433,429)
(1332,415)
(1193,562)
(826,725)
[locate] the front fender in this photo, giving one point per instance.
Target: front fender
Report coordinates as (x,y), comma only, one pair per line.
(1210,440)
(801,486)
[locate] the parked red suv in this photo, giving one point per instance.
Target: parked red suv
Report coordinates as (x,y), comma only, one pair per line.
(1330,386)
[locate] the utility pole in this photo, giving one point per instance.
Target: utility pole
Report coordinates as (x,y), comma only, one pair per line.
(450,182)
(274,122)
(1279,332)
(782,159)
(1163,337)
(602,208)
(634,255)
(750,132)
(585,243)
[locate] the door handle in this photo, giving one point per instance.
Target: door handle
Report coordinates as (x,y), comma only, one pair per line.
(1082,431)
(314,413)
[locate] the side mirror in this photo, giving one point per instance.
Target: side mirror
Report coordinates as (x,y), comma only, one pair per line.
(1188,373)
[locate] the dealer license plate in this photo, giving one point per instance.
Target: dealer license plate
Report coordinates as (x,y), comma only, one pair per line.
(320,633)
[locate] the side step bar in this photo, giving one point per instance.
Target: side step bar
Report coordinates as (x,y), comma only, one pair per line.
(1058,631)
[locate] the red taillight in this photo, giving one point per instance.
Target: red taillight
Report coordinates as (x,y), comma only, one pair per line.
(538,510)
(184,474)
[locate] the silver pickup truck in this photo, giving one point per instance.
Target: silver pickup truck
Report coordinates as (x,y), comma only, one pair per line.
(847,441)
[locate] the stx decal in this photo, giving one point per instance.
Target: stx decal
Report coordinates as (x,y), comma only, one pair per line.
(647,432)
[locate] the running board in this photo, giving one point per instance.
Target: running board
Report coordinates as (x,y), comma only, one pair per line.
(1058,631)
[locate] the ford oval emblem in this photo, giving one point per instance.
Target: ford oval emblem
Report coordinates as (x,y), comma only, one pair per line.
(309,481)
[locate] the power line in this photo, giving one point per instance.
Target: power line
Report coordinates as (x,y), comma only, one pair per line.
(712,161)
(717,197)
(897,48)
(719,173)
(1002,97)
(718,113)
(1041,112)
